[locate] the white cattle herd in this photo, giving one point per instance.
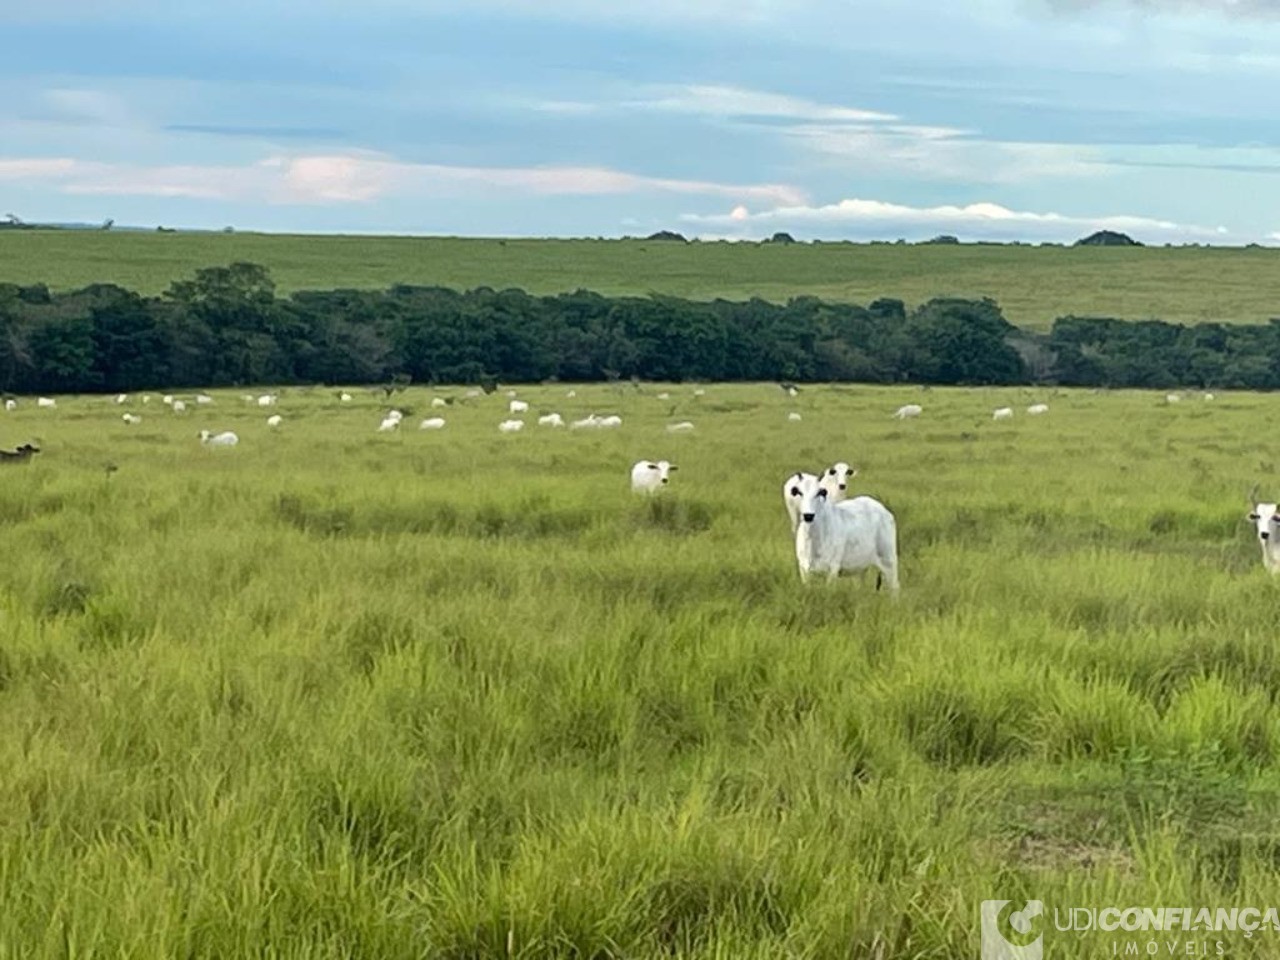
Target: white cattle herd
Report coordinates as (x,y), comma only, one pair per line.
(833,532)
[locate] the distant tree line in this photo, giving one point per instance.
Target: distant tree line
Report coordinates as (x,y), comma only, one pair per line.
(226,326)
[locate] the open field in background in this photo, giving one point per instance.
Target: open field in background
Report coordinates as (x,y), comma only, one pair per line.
(1034,285)
(459,694)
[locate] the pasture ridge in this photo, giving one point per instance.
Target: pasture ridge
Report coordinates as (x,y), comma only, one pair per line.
(1034,285)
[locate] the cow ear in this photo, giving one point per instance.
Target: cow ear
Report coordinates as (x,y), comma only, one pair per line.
(653,466)
(672,467)
(1253,516)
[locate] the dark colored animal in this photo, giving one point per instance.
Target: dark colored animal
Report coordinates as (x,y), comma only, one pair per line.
(18,455)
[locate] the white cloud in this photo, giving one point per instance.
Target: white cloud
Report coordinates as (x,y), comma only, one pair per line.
(363,177)
(861,140)
(939,153)
(36,169)
(735,102)
(876,219)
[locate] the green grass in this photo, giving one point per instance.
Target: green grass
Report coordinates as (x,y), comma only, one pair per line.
(459,694)
(1034,285)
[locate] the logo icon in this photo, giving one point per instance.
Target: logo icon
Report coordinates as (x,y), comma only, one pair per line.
(1011,929)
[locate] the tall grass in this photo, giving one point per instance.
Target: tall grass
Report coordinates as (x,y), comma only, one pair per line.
(459,694)
(1034,285)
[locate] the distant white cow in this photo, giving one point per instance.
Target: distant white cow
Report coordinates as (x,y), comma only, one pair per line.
(1208,396)
(389,424)
(225,439)
(267,400)
(47,402)
(122,398)
(344,397)
(551,420)
(684,426)
(518,406)
(11,405)
(432,423)
(203,398)
(1173,398)
(178,406)
(438,402)
(1002,413)
(511,426)
(275,420)
(606,423)
(907,411)
(1036,409)
(794,417)
(649,476)
(132,419)
(853,535)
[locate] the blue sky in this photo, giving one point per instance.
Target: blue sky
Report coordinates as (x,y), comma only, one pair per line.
(860,119)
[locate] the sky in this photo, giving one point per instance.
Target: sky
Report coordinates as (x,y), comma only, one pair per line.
(1029,120)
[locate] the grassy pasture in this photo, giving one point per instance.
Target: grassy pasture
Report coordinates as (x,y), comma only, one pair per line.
(1034,285)
(459,694)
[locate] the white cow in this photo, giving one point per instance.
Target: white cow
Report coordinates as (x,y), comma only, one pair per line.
(551,420)
(275,420)
(1266,521)
(1003,413)
(511,426)
(649,476)
(836,480)
(1036,409)
(225,439)
(907,411)
(432,423)
(853,535)
(684,426)
(518,406)
(791,488)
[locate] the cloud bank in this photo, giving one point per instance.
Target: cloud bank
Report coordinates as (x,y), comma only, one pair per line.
(874,219)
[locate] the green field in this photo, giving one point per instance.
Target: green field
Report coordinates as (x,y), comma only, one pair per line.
(459,694)
(1034,285)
